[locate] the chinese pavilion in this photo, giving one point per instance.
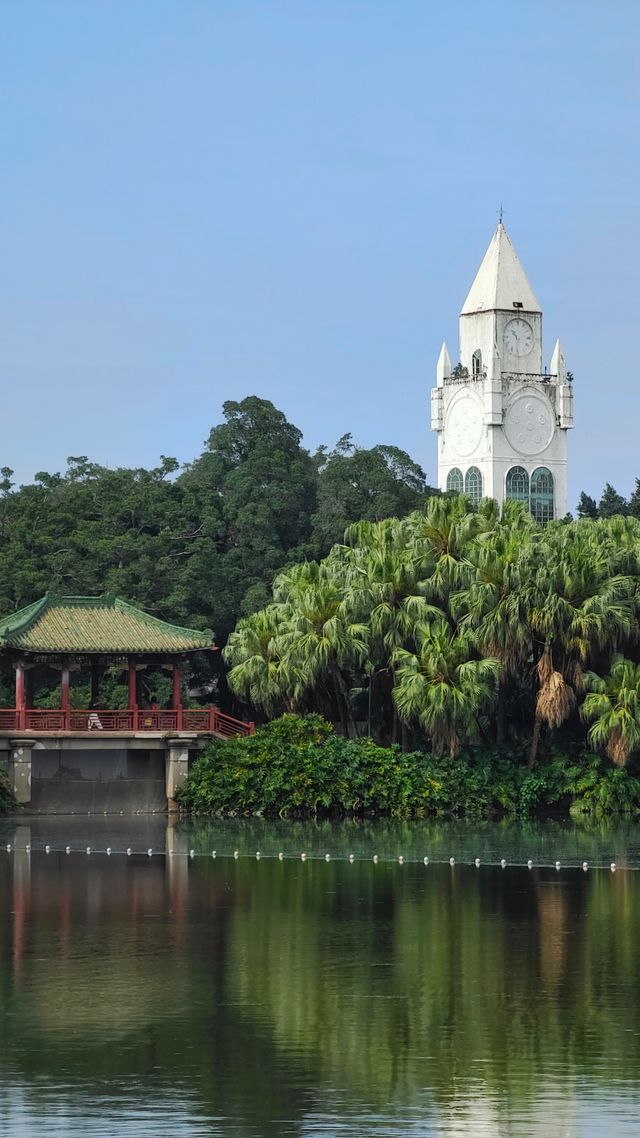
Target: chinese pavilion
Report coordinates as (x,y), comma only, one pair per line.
(85,635)
(90,633)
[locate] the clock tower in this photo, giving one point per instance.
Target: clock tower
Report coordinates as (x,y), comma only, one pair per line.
(500,416)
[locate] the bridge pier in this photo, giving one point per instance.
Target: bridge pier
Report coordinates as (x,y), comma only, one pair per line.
(98,772)
(177,766)
(19,768)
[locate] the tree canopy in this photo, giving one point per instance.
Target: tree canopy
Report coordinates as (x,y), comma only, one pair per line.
(463,624)
(197,545)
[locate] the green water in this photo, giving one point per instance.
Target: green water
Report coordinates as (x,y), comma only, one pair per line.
(188,995)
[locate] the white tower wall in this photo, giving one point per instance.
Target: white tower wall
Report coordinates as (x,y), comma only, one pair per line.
(499,409)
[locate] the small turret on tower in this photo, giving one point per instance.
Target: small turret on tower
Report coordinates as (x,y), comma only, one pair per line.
(558,367)
(443,366)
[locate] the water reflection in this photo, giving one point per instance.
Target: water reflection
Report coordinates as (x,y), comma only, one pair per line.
(217,997)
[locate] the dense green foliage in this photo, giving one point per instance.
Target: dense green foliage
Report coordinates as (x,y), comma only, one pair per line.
(7,799)
(298,765)
(465,626)
(197,546)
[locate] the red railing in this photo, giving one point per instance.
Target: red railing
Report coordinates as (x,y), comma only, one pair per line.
(206,720)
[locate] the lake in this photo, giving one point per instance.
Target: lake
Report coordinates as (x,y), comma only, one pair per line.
(182,994)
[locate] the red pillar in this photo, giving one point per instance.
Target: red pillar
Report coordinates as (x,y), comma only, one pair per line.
(133,692)
(176,693)
(65,695)
(20,697)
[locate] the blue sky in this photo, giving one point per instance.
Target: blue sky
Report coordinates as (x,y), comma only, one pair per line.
(203,200)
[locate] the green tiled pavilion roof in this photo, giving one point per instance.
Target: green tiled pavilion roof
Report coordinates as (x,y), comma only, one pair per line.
(95,624)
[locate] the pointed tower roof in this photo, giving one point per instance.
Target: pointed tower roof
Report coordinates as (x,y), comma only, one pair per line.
(500,281)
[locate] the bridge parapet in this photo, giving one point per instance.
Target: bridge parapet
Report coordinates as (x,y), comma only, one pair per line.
(202,720)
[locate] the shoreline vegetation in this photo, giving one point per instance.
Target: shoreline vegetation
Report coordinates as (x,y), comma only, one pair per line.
(7,797)
(298,766)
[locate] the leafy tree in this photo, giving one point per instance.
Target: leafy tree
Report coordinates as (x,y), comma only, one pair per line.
(634,501)
(249,500)
(587,506)
(611,503)
(355,484)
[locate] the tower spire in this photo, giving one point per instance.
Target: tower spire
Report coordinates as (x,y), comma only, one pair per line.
(501,282)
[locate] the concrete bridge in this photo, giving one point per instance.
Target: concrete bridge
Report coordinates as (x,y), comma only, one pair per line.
(127,764)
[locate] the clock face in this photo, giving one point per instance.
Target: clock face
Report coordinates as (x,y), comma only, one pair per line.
(518,337)
(463,424)
(529,423)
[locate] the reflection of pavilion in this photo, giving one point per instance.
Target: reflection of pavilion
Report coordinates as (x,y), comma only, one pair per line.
(89,635)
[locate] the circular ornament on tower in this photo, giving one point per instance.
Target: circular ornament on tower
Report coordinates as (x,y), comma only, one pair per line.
(463,424)
(518,337)
(529,424)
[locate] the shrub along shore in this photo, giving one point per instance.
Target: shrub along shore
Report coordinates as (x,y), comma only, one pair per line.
(7,800)
(298,766)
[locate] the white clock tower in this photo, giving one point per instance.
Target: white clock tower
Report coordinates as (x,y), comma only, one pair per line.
(501,418)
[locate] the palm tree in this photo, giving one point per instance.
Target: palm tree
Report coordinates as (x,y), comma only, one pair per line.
(576,607)
(320,640)
(442,538)
(613,703)
(442,686)
(492,604)
(254,651)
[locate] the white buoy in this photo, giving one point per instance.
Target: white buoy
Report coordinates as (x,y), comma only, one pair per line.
(281,856)
(477,863)
(108,851)
(452,861)
(47,849)
(213,853)
(585,866)
(27,849)
(149,852)
(529,864)
(303,857)
(257,855)
(613,866)
(557,865)
(327,857)
(425,860)
(67,849)
(351,857)
(88,850)
(128,851)
(400,860)
(236,854)
(9,847)
(375,859)
(503,864)
(192,853)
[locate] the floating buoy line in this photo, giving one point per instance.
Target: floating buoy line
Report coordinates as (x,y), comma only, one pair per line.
(304,855)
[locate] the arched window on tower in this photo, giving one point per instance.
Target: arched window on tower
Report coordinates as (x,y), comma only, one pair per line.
(476,364)
(455,481)
(473,485)
(542,505)
(518,485)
